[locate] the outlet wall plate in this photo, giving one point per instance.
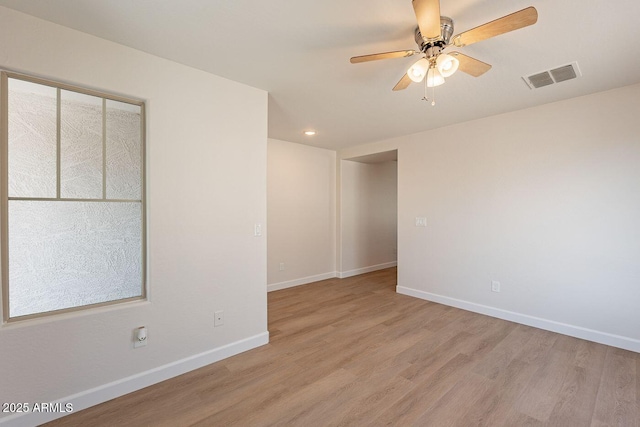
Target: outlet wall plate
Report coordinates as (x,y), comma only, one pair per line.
(495,286)
(218,319)
(140,337)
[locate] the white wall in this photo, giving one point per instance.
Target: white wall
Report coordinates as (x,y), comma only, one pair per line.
(301,214)
(206,188)
(545,200)
(368,216)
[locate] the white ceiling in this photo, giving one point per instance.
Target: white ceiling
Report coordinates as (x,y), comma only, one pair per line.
(299,51)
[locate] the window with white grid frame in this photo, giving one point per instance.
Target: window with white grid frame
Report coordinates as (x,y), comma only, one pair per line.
(73,197)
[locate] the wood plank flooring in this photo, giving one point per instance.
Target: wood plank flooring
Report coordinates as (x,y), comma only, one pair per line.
(352,352)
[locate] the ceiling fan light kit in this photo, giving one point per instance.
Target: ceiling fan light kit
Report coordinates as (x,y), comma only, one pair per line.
(434,34)
(434,78)
(418,70)
(447,64)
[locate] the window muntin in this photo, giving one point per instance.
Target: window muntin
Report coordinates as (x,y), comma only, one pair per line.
(73,211)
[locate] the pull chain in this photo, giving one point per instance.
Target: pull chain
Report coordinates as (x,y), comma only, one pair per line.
(433,99)
(426,87)
(425,97)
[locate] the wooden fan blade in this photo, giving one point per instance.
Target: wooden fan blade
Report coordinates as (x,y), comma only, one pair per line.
(385,55)
(404,83)
(428,16)
(515,21)
(470,65)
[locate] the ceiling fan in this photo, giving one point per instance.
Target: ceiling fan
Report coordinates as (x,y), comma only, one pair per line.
(433,36)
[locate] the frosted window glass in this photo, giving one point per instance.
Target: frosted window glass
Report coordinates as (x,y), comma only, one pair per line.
(70,254)
(80,145)
(123,151)
(32,139)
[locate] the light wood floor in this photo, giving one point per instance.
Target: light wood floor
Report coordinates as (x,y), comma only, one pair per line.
(353,352)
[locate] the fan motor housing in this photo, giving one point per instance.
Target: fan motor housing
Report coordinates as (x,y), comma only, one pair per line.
(432,47)
(446,28)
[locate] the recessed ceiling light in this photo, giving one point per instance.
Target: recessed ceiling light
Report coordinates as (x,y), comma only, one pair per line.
(309,132)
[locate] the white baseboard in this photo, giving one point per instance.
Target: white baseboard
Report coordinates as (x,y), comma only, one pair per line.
(331,275)
(626,343)
(301,281)
(130,384)
(345,274)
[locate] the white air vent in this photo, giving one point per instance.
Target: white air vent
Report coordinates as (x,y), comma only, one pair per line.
(557,75)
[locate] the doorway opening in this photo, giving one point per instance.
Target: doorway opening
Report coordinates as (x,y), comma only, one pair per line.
(368,214)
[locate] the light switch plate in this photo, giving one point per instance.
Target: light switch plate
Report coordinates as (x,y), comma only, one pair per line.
(421,221)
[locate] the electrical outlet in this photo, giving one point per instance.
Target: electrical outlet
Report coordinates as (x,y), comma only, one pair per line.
(218,318)
(495,286)
(281,268)
(140,337)
(257,230)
